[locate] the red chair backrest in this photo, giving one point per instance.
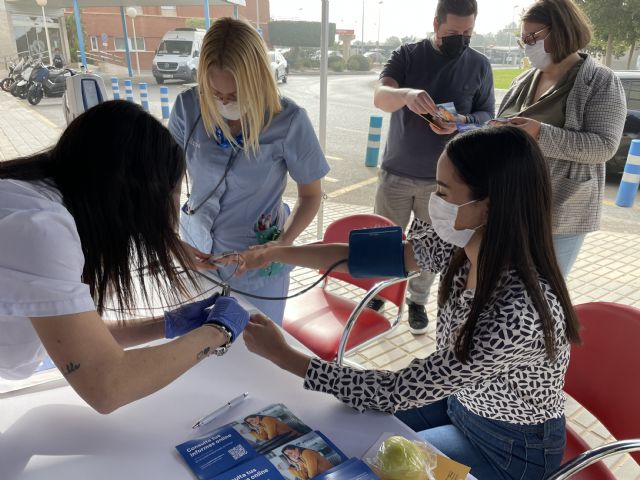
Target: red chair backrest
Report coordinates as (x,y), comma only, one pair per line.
(603,371)
(338,232)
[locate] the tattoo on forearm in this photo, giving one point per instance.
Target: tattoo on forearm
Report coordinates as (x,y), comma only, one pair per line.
(204,353)
(69,368)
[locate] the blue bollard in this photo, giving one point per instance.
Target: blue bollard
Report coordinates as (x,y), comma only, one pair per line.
(164,102)
(144,96)
(630,178)
(373,145)
(115,87)
(128,90)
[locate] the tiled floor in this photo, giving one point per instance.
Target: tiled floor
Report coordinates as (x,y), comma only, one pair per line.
(608,269)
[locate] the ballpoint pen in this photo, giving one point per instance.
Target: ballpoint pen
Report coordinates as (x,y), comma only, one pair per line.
(219,411)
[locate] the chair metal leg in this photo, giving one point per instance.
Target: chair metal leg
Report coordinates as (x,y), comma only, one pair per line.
(590,457)
(353,318)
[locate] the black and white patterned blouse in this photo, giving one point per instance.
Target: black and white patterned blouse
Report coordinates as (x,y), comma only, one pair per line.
(508,377)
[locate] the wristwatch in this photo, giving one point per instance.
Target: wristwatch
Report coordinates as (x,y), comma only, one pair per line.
(222,349)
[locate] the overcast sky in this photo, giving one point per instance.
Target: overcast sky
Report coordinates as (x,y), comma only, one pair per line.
(397,17)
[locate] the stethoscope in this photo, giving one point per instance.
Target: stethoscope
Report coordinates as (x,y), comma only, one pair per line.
(188,208)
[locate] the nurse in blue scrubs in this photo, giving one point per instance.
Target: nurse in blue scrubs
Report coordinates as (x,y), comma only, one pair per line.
(241,139)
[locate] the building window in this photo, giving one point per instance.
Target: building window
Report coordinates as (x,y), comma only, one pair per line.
(168,11)
(138,44)
(94,43)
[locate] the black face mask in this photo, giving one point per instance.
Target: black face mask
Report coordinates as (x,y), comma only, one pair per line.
(453,45)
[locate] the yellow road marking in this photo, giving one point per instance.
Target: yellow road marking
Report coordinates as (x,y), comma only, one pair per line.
(609,203)
(353,187)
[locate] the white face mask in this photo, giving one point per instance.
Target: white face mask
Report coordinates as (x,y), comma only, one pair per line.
(230,111)
(539,58)
(443,219)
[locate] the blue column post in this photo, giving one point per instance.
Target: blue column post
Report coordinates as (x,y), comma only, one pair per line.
(164,102)
(76,14)
(235,11)
(207,18)
(128,90)
(126,40)
(115,87)
(373,144)
(630,178)
(144,96)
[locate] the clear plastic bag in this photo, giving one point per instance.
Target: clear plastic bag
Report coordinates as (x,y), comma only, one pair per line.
(398,458)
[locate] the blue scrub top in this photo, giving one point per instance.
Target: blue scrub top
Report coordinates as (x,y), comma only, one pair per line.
(254,184)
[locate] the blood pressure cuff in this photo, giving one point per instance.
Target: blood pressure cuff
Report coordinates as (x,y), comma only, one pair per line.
(376,252)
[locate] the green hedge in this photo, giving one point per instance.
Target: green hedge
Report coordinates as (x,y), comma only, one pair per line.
(336,64)
(358,63)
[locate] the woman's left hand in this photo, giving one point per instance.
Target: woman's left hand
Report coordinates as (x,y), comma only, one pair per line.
(199,260)
(264,338)
(532,127)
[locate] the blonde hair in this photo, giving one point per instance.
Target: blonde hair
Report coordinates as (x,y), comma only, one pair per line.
(236,47)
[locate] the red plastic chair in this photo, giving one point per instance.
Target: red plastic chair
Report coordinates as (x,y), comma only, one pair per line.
(603,377)
(330,325)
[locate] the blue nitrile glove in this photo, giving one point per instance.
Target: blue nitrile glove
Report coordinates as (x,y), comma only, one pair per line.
(184,319)
(228,313)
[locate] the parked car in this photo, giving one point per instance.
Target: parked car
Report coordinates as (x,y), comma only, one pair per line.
(375,57)
(279,66)
(631,83)
(178,55)
(332,53)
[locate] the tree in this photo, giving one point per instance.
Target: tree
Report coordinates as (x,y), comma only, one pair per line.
(72,35)
(615,23)
(393,42)
(194,22)
(409,39)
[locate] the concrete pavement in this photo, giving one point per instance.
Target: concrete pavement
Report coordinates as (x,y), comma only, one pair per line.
(608,269)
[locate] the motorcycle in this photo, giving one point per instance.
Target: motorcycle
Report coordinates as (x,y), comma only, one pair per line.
(48,82)
(23,82)
(14,71)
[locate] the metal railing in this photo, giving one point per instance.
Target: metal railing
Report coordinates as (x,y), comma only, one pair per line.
(97,57)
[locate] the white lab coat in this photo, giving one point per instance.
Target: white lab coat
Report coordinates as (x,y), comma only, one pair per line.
(41,264)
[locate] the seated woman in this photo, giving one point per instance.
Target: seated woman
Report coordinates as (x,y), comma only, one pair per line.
(82,223)
(490,396)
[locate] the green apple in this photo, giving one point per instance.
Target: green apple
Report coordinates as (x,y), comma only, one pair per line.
(401,459)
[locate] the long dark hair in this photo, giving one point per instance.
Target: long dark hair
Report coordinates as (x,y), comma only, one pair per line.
(117,169)
(506,166)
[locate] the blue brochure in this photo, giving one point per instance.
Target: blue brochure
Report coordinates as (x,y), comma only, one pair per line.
(352,469)
(237,442)
(307,457)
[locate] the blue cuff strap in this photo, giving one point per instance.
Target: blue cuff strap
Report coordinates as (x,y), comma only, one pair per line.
(376,252)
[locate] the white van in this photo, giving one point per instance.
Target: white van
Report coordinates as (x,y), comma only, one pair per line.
(178,54)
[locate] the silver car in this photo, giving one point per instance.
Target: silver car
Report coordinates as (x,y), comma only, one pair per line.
(631,83)
(279,66)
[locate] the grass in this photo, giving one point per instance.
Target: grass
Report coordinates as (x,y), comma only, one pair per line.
(502,77)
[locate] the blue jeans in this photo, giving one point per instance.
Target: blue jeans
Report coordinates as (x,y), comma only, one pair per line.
(567,248)
(493,449)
